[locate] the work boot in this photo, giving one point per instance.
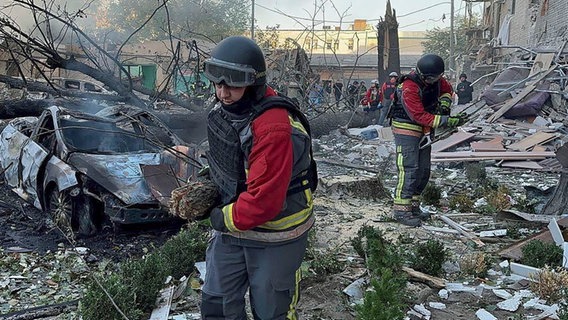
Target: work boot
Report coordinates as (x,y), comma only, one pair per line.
(417,211)
(403,214)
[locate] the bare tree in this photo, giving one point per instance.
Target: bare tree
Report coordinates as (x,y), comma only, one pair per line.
(46,47)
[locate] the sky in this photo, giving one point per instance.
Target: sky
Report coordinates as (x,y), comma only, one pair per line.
(412,15)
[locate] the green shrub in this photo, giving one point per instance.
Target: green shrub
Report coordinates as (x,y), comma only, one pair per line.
(428,257)
(384,300)
(376,250)
(538,254)
(431,194)
(461,202)
(135,286)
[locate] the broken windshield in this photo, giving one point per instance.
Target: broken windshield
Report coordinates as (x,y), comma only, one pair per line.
(109,137)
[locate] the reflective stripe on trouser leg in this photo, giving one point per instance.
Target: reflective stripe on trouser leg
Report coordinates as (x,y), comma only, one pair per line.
(407,163)
(274,278)
(424,167)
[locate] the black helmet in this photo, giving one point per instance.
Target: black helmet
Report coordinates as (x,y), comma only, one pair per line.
(238,61)
(430,65)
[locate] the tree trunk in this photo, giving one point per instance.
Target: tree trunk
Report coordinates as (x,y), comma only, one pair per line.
(326,122)
(558,203)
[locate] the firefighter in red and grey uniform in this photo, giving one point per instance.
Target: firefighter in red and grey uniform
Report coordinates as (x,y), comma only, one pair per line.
(422,103)
(260,159)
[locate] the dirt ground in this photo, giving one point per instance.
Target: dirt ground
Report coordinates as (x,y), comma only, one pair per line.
(339,218)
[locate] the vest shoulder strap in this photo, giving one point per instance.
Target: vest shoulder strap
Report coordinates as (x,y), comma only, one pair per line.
(284,102)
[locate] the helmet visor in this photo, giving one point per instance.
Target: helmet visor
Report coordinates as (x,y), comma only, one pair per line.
(234,75)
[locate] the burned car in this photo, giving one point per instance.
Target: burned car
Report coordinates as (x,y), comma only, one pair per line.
(85,169)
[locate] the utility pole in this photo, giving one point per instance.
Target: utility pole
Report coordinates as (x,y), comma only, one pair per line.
(451,59)
(252,22)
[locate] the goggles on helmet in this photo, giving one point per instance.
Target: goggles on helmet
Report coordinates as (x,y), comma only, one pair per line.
(234,75)
(431,78)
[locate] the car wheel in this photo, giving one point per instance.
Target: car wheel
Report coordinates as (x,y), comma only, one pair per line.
(60,208)
(72,214)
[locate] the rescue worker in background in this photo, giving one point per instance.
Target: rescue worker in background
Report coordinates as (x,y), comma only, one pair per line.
(387,94)
(464,90)
(371,102)
(260,159)
(423,100)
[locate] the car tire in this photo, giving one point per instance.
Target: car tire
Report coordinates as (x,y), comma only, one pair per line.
(72,214)
(59,206)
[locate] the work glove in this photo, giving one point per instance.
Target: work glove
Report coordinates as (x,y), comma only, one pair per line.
(457,120)
(445,106)
(217,219)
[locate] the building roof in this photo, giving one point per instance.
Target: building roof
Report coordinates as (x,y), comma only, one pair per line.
(350,60)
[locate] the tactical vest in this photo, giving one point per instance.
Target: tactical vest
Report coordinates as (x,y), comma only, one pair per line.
(428,94)
(230,143)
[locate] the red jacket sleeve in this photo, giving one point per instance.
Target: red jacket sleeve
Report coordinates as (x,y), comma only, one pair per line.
(270,170)
(413,103)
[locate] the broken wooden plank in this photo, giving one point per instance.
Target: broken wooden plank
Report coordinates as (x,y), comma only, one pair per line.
(495,144)
(520,96)
(451,141)
(52,310)
(434,282)
(532,140)
(164,303)
(521,165)
(461,229)
(533,217)
(541,62)
(348,165)
(492,155)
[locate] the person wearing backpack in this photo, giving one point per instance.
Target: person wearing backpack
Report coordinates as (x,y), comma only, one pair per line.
(421,104)
(260,158)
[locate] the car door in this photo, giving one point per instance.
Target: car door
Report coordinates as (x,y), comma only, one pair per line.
(32,160)
(12,140)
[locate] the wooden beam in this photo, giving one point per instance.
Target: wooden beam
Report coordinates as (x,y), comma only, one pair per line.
(520,96)
(461,229)
(435,282)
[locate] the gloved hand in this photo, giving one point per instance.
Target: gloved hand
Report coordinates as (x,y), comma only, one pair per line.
(445,106)
(457,120)
(379,106)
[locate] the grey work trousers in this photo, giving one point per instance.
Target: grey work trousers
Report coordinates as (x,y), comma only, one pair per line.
(384,113)
(270,272)
(413,166)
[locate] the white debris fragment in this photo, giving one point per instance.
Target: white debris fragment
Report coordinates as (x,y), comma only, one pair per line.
(503,294)
(437,305)
(355,289)
(504,264)
(511,304)
(82,250)
(483,314)
(443,294)
(422,310)
(201,269)
(493,233)
(458,287)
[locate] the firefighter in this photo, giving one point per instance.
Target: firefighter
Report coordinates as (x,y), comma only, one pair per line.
(422,103)
(387,93)
(260,159)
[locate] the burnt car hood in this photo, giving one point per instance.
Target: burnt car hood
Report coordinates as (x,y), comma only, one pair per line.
(118,174)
